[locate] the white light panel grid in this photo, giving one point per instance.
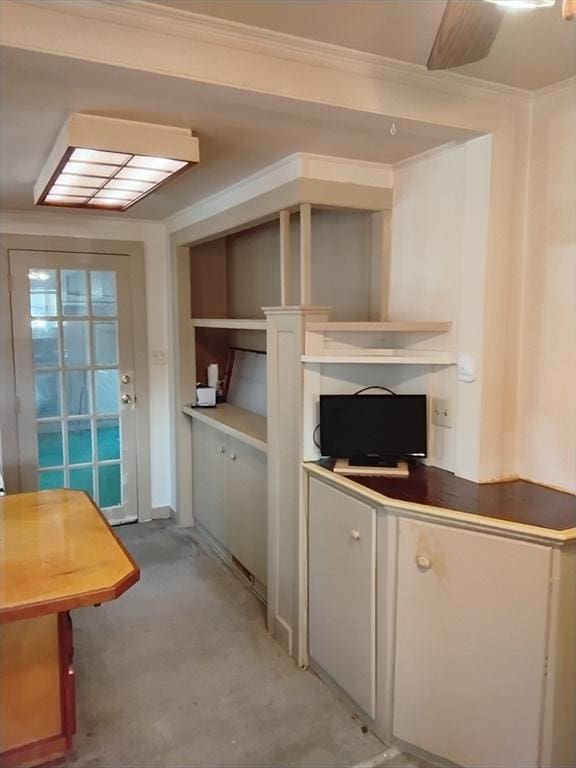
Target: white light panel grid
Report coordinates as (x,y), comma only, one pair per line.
(94,178)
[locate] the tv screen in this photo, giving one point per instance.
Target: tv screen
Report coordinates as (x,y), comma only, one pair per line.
(373,425)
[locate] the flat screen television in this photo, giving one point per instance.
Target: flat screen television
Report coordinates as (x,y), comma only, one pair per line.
(373,428)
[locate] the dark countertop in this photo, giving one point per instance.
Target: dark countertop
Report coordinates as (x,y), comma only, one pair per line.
(516,501)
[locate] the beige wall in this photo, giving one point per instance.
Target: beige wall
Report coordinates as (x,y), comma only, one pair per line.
(427,222)
(439,248)
(253,267)
(340,265)
(547,381)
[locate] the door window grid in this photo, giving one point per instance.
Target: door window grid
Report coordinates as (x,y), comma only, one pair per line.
(65,472)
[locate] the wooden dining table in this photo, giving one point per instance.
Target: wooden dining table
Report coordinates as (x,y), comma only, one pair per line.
(57,553)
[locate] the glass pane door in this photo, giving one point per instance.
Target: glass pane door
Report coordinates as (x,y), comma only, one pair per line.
(77,381)
(79,423)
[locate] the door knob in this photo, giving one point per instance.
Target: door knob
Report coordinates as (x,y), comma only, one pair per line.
(125,379)
(126,398)
(232,457)
(355,534)
(423,563)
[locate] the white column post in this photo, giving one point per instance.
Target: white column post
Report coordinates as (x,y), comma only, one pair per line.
(285,276)
(185,384)
(380,265)
(286,525)
(305,254)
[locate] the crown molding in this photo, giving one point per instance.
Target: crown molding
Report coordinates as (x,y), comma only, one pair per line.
(162,19)
(562,85)
(284,170)
(428,154)
(13,221)
(296,166)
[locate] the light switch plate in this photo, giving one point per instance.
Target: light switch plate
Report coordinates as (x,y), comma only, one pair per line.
(158,357)
(441,412)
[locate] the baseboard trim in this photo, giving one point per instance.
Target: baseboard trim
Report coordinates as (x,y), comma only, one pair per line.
(162,513)
(283,634)
(212,545)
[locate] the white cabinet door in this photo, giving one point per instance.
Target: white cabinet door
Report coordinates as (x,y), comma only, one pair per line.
(248,507)
(210,480)
(342,590)
(470,645)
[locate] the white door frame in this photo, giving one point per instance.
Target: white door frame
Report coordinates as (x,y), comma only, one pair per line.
(134,251)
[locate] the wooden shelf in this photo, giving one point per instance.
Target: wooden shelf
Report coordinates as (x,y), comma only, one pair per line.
(400,357)
(230,323)
(380,327)
(246,426)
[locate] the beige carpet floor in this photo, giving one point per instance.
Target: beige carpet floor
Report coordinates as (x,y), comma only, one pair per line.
(180,673)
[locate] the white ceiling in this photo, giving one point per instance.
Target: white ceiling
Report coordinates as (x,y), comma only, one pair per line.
(533,49)
(240,132)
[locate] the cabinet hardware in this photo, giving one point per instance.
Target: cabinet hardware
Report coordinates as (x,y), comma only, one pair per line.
(232,457)
(355,534)
(423,562)
(221,449)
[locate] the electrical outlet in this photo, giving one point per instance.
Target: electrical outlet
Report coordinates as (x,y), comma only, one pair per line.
(158,357)
(441,412)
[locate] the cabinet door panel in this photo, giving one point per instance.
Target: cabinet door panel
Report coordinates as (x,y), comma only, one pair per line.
(210,480)
(248,507)
(470,645)
(342,574)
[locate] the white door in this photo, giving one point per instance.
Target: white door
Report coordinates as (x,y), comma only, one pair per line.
(74,364)
(470,645)
(342,591)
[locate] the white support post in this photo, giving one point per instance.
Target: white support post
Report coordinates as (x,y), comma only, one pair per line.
(285,276)
(185,383)
(305,254)
(380,265)
(286,526)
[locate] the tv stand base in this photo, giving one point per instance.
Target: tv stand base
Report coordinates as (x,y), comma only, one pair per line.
(344,467)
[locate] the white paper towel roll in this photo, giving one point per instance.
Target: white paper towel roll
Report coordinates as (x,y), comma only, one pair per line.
(213,375)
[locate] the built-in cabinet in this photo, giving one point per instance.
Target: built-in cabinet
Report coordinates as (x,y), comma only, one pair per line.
(210,486)
(453,650)
(470,644)
(247,504)
(229,497)
(342,590)
(453,641)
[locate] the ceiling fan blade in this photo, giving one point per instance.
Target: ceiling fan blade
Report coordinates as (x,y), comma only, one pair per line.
(568,9)
(466,33)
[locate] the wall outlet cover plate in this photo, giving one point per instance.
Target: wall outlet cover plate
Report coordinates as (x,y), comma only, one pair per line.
(441,412)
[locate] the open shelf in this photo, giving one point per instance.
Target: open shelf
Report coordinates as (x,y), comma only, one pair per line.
(381,357)
(230,323)
(244,425)
(331,342)
(380,327)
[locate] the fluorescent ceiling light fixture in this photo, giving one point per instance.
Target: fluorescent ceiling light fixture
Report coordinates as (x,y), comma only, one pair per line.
(102,162)
(523,3)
